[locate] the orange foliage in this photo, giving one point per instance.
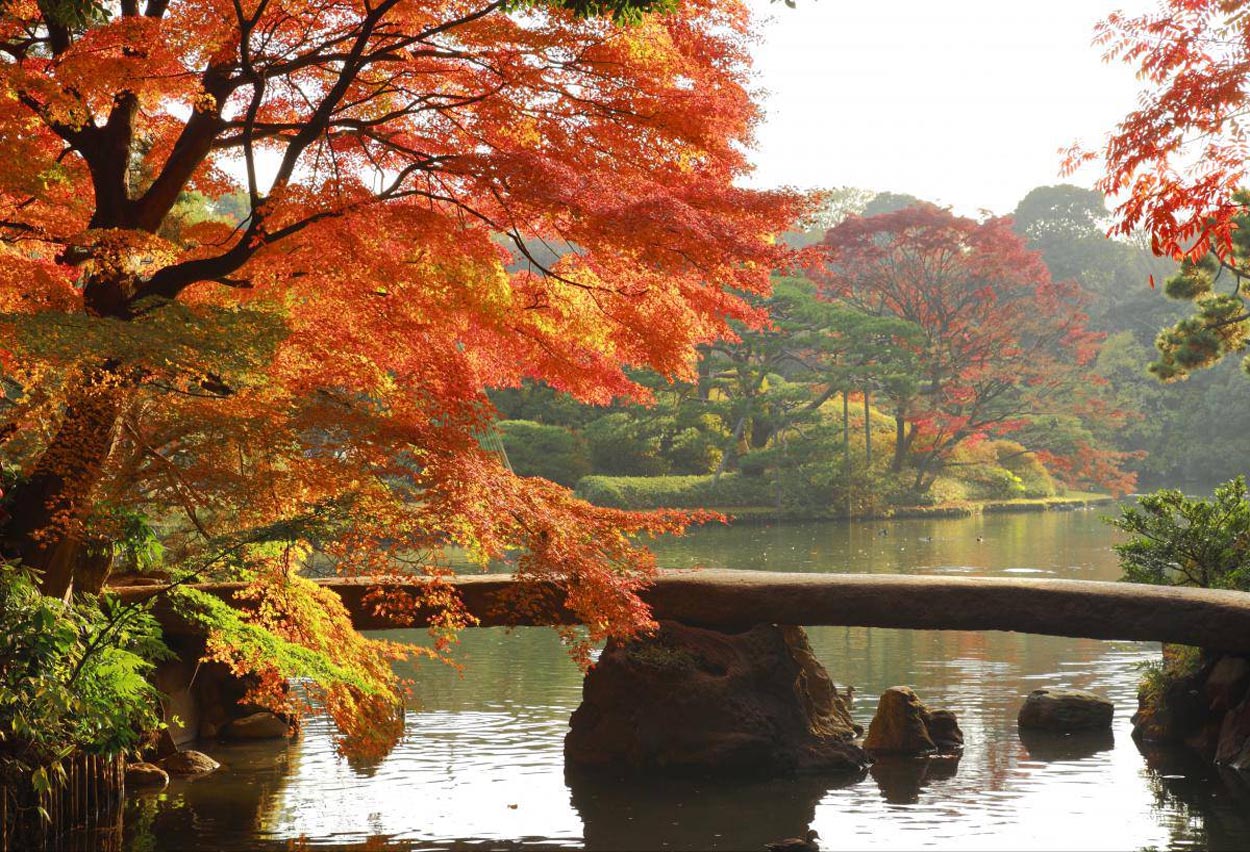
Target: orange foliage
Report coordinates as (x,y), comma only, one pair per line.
(1178,158)
(316,352)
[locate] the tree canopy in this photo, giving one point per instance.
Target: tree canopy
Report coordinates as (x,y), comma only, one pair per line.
(1177,160)
(254,292)
(1179,163)
(1000,341)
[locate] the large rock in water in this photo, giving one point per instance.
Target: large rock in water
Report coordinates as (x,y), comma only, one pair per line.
(689,700)
(1201,701)
(1233,748)
(1065,710)
(904,725)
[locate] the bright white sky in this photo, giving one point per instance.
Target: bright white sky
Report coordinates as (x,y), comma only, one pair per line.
(962,102)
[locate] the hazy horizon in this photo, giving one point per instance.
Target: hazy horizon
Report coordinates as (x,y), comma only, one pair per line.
(964,104)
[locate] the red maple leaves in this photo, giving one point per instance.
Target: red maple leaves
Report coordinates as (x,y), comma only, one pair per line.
(1176,161)
(1000,343)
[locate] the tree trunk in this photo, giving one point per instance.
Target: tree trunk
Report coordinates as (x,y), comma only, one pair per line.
(45,529)
(846,445)
(923,482)
(703,386)
(867,433)
(733,442)
(900,439)
(760,432)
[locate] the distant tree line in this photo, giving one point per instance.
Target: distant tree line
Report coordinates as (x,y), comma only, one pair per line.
(918,357)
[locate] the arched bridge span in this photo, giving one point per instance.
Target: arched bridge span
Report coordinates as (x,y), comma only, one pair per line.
(726,599)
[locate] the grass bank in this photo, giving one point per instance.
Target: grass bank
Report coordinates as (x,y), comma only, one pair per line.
(749,499)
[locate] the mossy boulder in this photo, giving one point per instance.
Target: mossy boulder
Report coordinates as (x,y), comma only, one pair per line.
(258,726)
(1065,710)
(692,701)
(903,725)
(146,776)
(189,764)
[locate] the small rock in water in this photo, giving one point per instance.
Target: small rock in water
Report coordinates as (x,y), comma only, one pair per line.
(944,730)
(146,775)
(904,725)
(189,763)
(1065,710)
(258,726)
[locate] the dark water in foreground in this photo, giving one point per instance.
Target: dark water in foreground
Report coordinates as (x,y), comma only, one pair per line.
(481,765)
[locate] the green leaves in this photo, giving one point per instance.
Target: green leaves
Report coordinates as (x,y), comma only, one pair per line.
(1179,541)
(253,641)
(72,678)
(1193,280)
(176,346)
(74,14)
(1220,323)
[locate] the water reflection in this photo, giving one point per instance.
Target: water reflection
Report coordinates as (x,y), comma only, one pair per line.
(631,814)
(1204,806)
(900,779)
(216,811)
(1053,745)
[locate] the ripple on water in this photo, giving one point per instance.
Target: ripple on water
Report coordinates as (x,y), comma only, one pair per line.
(453,775)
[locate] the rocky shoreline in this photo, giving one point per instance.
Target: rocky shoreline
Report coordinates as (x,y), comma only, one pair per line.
(1199,699)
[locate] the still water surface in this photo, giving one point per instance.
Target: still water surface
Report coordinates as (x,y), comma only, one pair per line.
(481,764)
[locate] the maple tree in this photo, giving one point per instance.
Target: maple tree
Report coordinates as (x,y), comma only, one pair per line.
(1178,163)
(999,343)
(1178,159)
(301,366)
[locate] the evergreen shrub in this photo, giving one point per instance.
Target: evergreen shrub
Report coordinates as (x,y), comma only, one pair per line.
(552,452)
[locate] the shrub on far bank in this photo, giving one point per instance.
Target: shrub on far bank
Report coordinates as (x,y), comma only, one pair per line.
(626,444)
(993,470)
(619,446)
(1033,476)
(1176,540)
(552,452)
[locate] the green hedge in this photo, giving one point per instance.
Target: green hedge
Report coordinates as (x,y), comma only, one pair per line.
(677,492)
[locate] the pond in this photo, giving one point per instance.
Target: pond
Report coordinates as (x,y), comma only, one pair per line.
(481,764)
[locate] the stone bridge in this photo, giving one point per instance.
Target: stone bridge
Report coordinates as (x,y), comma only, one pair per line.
(730,600)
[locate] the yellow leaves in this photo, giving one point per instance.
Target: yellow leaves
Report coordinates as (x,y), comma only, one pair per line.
(122,252)
(648,43)
(523,133)
(204,102)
